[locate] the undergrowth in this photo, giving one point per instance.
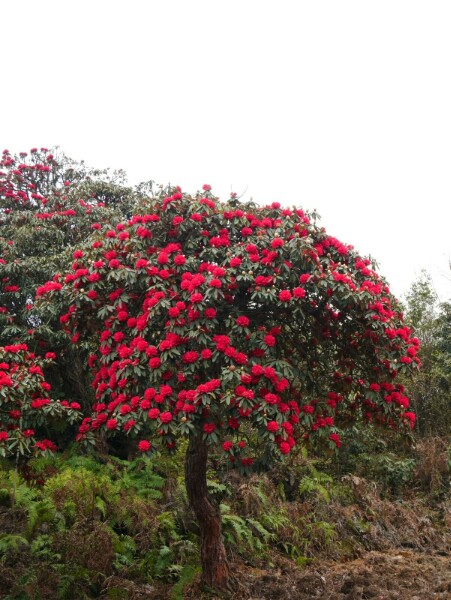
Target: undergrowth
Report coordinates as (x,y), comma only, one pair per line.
(75,527)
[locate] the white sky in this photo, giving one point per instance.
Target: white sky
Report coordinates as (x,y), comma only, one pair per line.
(343,106)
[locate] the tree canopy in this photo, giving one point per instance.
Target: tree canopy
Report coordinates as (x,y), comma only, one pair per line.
(221,317)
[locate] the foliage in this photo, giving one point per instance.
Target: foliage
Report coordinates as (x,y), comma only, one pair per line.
(81,525)
(430,388)
(225,319)
(25,404)
(48,203)
(61,540)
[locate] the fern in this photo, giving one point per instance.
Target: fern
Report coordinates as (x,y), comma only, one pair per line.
(275,520)
(125,549)
(84,462)
(261,495)
(163,561)
(295,552)
(139,477)
(24,495)
(217,488)
(41,512)
(266,535)
(316,483)
(168,529)
(237,530)
(41,547)
(323,531)
(187,574)
(11,543)
(100,504)
(234,528)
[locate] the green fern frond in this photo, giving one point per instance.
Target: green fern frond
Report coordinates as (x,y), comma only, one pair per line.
(261,530)
(10,543)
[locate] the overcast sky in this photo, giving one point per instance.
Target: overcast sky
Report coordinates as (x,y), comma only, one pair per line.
(343,106)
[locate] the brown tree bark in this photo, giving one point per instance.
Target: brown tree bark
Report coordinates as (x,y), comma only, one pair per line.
(215,567)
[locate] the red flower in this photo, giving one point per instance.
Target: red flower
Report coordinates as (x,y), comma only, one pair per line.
(299,292)
(166,417)
(269,340)
(190,357)
(284,447)
(144,446)
(272,426)
(209,427)
(39,403)
(227,446)
(257,370)
(271,398)
(285,295)
(335,438)
(288,427)
(46,445)
(111,424)
(242,321)
(235,261)
(411,418)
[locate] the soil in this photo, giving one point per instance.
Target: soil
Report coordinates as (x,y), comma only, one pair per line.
(402,575)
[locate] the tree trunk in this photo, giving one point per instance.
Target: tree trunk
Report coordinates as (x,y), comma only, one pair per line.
(75,380)
(215,568)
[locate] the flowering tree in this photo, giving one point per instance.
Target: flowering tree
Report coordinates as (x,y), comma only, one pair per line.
(244,329)
(48,203)
(25,404)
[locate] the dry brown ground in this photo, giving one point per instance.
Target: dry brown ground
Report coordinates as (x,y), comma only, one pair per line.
(403,575)
(391,575)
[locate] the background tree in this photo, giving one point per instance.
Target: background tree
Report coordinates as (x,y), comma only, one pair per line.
(48,203)
(430,388)
(245,330)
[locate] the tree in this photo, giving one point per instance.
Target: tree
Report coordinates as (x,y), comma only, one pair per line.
(246,330)
(430,388)
(48,203)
